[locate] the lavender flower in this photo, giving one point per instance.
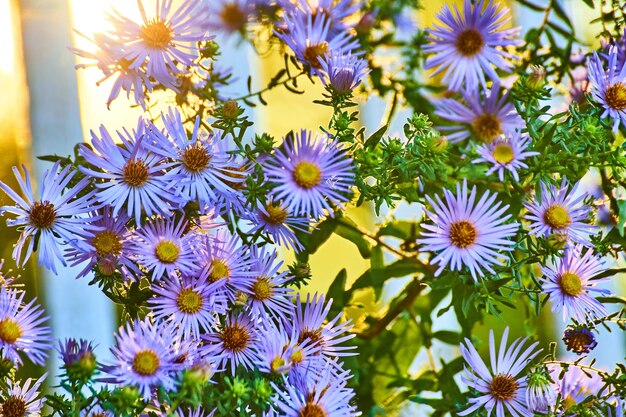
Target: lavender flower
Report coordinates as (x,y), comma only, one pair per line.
(469,46)
(268,294)
(277,220)
(229,16)
(608,87)
(505,154)
(22,400)
(343,71)
(500,386)
(467,234)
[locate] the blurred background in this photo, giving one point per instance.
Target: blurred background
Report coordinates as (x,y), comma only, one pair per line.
(46,107)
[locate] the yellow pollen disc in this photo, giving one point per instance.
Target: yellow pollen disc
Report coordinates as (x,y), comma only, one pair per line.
(42,214)
(13,407)
(557,217)
(261,289)
(233,17)
(463,234)
(189,301)
(107,242)
(307,175)
(312,410)
(313,53)
(615,96)
(277,363)
(487,127)
(10,330)
(196,158)
(135,173)
(503,387)
(156,35)
(568,402)
(275,215)
(503,153)
(166,251)
(219,270)
(235,338)
(237,182)
(570,284)
(469,42)
(146,362)
(297,356)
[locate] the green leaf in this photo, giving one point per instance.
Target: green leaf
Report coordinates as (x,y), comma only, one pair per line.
(375,138)
(337,291)
(349,230)
(449,337)
(320,235)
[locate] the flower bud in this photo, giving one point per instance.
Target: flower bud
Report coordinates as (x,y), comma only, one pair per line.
(540,397)
(537,77)
(438,144)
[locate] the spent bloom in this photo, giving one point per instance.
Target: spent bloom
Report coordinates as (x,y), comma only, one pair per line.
(559,210)
(569,284)
(579,339)
(52,220)
(501,385)
(466,233)
(468,45)
(22,328)
(484,118)
(608,87)
(506,153)
(310,173)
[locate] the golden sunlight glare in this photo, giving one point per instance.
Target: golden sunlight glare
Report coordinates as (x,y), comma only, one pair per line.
(7,47)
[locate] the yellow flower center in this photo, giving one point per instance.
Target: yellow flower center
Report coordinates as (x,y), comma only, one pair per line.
(233,17)
(189,301)
(557,217)
(469,42)
(42,214)
(275,215)
(307,175)
(313,53)
(615,96)
(10,330)
(235,337)
(487,127)
(312,410)
(156,34)
(219,270)
(166,251)
(276,364)
(146,362)
(261,289)
(570,284)
(568,402)
(196,158)
(135,172)
(297,356)
(503,387)
(503,153)
(107,242)
(237,184)
(463,234)
(13,407)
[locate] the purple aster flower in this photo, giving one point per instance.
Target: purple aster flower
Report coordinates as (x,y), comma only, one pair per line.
(108,249)
(573,385)
(608,87)
(343,71)
(165,43)
(73,351)
(235,342)
(162,247)
(127,176)
(336,11)
(506,153)
(309,322)
(579,339)
(144,357)
(52,220)
(106,58)
(276,220)
(311,40)
(465,233)
(310,174)
(469,46)
(197,412)
(22,328)
(499,387)
(190,304)
(268,294)
(200,170)
(223,259)
(483,118)
(569,282)
(323,395)
(229,16)
(22,400)
(559,211)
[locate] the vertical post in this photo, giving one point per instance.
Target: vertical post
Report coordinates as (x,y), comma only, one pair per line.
(76,309)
